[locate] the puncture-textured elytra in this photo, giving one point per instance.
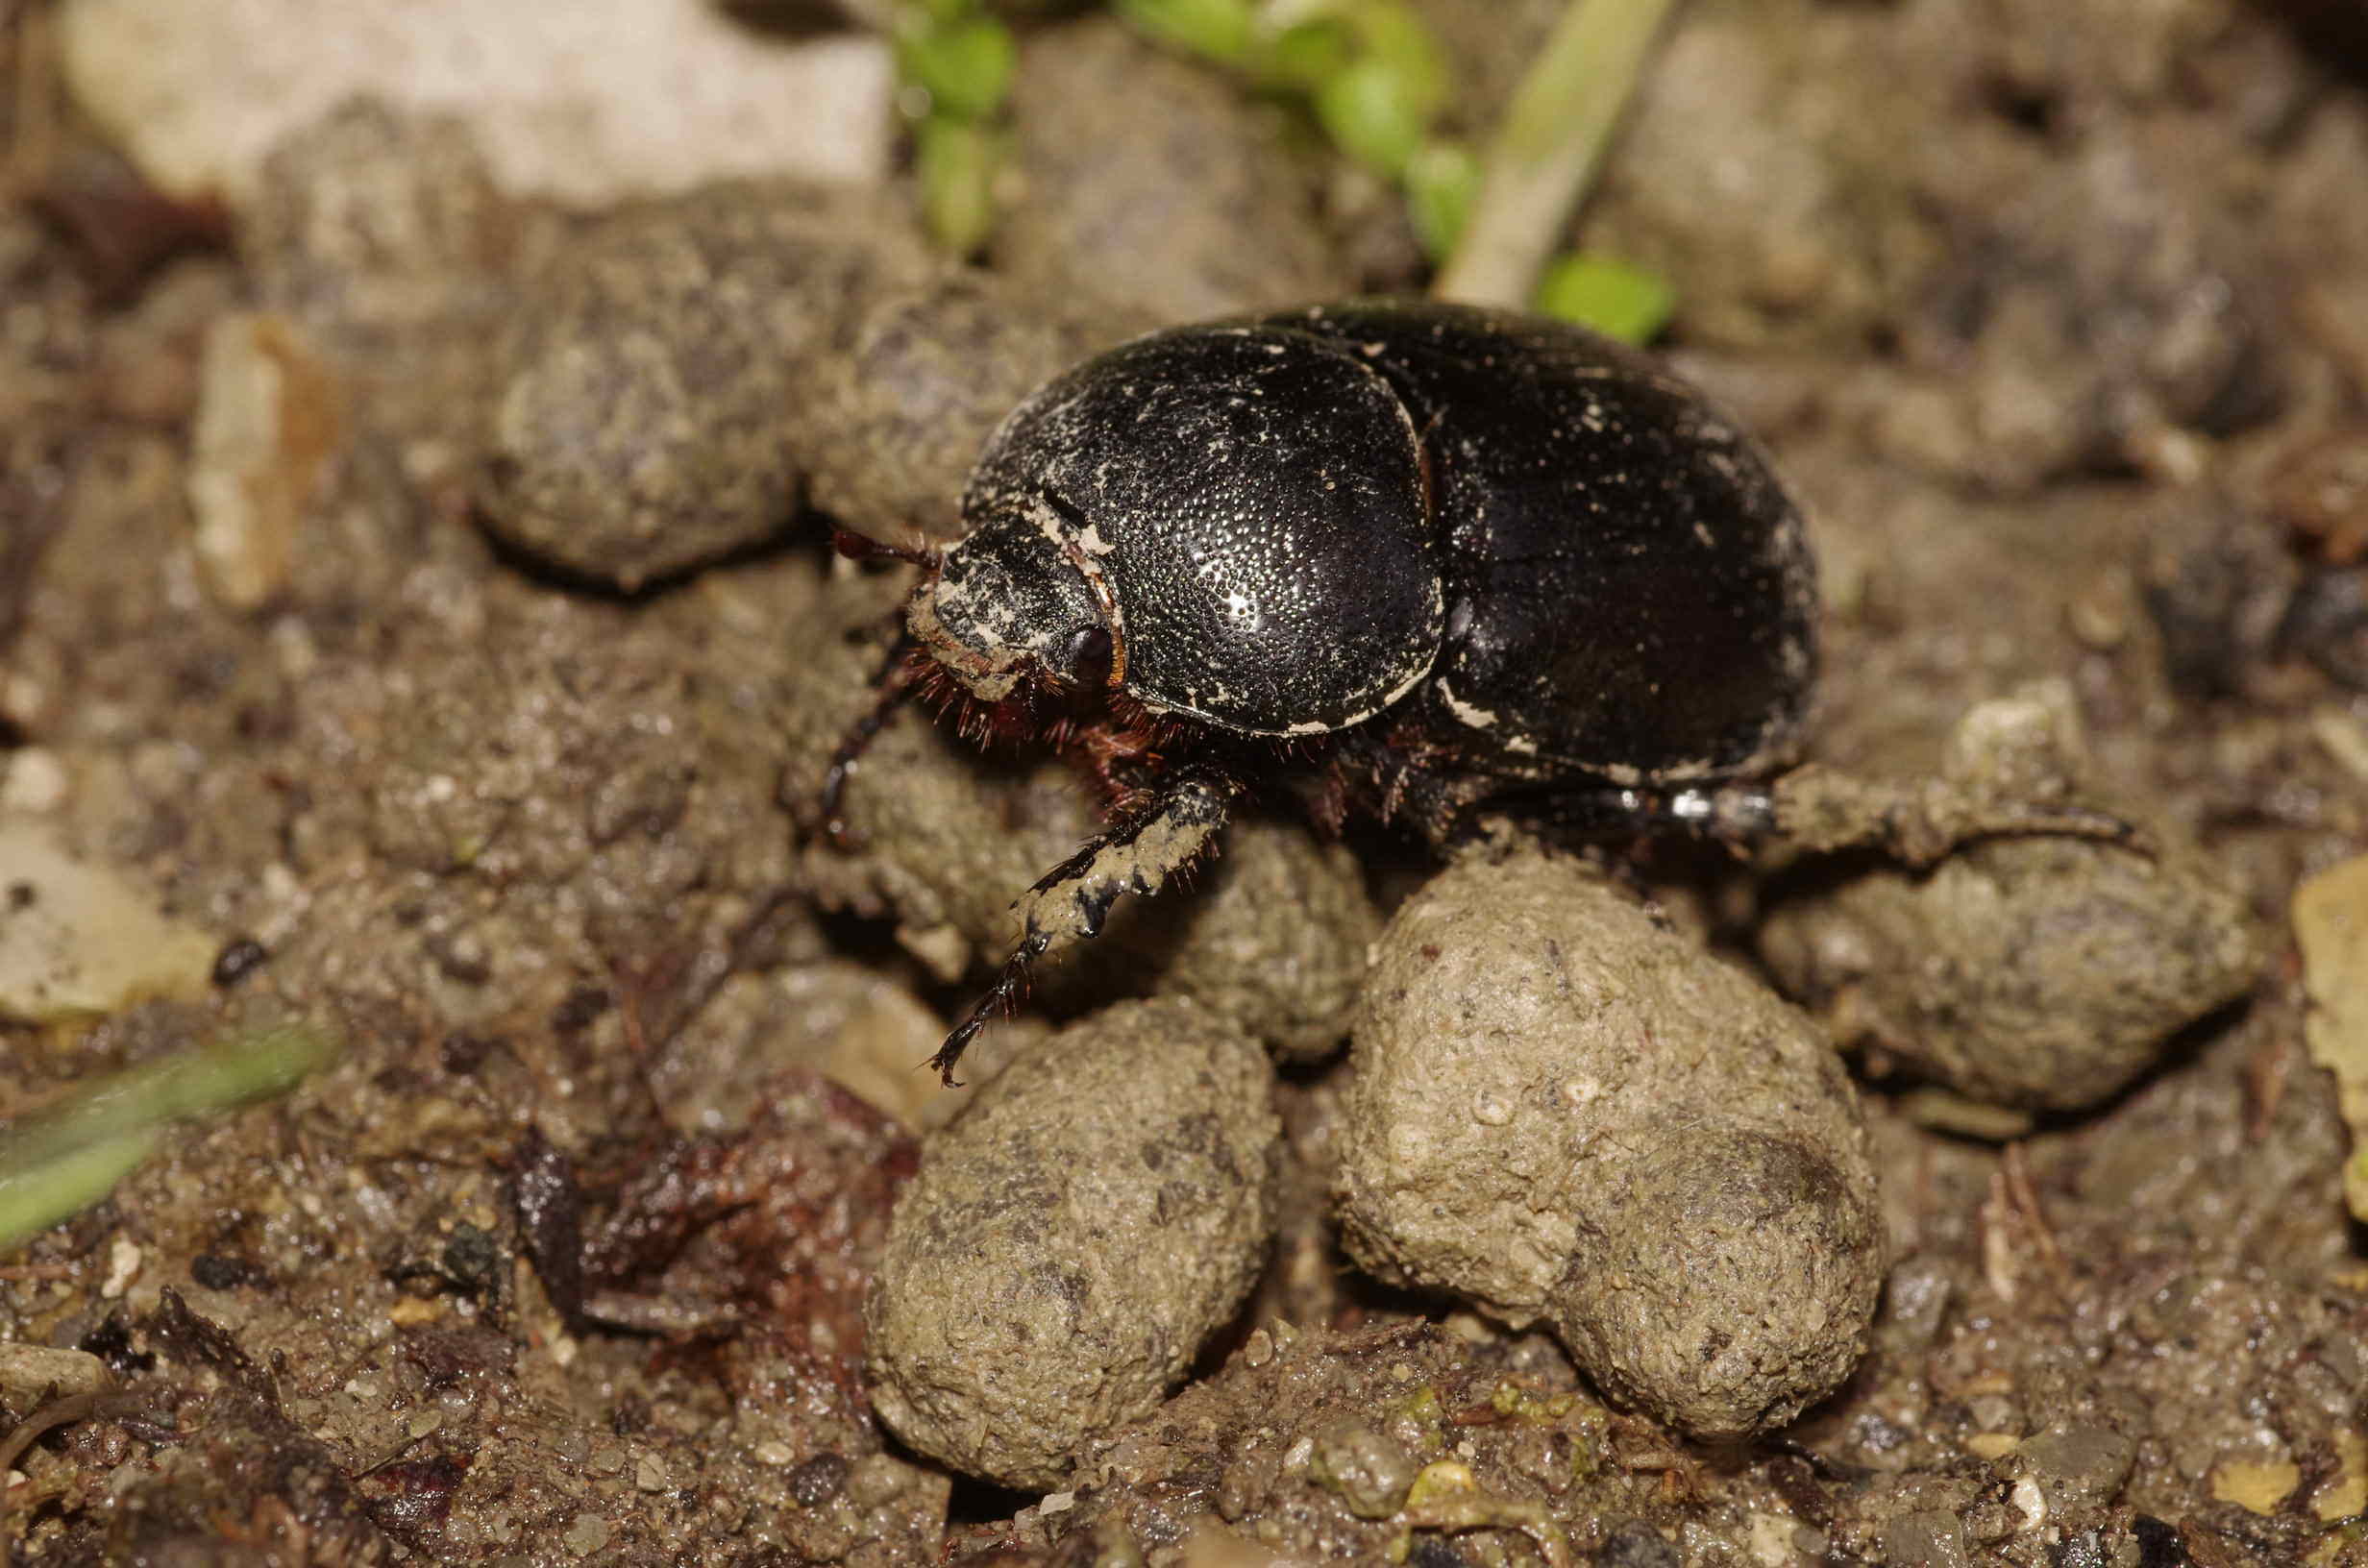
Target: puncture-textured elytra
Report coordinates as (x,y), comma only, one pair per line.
(1434,557)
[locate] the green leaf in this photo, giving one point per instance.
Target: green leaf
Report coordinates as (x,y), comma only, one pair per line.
(965,68)
(36,1197)
(1614,297)
(1395,34)
(954,162)
(1218,30)
(1374,115)
(71,1155)
(1442,180)
(1305,54)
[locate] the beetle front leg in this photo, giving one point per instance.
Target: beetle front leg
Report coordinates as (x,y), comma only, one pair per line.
(1070,902)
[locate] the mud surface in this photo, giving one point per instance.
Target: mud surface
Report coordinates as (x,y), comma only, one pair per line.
(2053,315)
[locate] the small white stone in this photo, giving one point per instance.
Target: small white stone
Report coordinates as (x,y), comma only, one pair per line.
(265,427)
(123,1261)
(78,940)
(21,696)
(35,781)
(587,1534)
(293,647)
(1770,1538)
(588,102)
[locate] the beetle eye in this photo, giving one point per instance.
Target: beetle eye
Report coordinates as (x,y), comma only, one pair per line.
(1086,659)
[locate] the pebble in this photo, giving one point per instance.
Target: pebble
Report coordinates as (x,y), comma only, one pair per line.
(79,939)
(589,103)
(32,1373)
(267,424)
(2331,926)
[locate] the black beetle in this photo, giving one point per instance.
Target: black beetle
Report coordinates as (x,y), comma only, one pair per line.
(1442,559)
(1471,556)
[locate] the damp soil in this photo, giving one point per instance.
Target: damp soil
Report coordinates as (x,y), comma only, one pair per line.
(435,690)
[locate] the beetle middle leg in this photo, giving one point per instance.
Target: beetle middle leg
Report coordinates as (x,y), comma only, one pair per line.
(1070,902)
(892,688)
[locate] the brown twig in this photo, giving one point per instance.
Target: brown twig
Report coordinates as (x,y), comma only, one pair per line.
(2012,1214)
(2017,1166)
(58,1412)
(2266,1071)
(39,1271)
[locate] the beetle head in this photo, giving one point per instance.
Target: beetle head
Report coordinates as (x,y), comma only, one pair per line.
(1017,603)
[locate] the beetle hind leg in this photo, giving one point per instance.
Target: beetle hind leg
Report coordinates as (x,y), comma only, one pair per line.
(1731,813)
(1070,902)
(1821,810)
(1811,808)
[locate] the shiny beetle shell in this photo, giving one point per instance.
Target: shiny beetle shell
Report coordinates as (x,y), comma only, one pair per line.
(1538,547)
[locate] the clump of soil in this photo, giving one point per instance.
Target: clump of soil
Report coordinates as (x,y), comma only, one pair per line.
(1098,1212)
(2040,971)
(1565,1111)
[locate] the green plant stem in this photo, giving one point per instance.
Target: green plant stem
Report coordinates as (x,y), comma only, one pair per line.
(65,1159)
(1546,151)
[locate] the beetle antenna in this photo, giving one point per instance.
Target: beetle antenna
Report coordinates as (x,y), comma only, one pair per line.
(860,546)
